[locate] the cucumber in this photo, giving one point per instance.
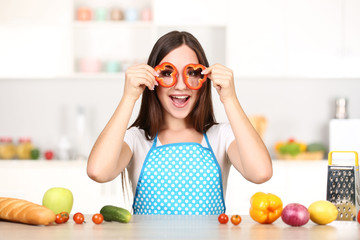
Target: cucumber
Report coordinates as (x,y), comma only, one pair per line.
(117,214)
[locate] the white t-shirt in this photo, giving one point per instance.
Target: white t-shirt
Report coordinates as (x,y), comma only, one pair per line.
(220,137)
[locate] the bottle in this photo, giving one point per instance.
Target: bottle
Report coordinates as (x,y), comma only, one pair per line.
(24,148)
(64,149)
(64,145)
(341,111)
(83,137)
(7,148)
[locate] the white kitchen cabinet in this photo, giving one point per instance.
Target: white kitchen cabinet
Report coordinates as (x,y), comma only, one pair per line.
(313,38)
(294,39)
(255,40)
(293,181)
(43,39)
(131,42)
(35,38)
(189,12)
(280,38)
(351,38)
(29,180)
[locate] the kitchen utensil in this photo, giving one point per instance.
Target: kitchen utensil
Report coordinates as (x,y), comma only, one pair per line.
(343,187)
(341,112)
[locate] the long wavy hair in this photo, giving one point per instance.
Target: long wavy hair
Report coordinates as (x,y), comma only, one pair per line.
(151,116)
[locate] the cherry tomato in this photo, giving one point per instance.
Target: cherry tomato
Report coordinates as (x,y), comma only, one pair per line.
(78,218)
(62,217)
(223,218)
(58,218)
(358,217)
(235,219)
(98,218)
(49,155)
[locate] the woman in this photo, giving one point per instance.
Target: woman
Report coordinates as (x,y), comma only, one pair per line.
(177,156)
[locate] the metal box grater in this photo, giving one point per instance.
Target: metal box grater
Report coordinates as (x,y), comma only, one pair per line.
(343,187)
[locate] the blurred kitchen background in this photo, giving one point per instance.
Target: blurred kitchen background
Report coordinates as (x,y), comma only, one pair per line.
(62,63)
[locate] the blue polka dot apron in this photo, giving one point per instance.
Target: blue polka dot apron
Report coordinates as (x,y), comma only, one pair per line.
(180,179)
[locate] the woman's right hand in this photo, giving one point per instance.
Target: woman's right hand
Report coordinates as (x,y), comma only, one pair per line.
(137,78)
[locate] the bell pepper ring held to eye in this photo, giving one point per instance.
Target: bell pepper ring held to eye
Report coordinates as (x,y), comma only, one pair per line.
(193,77)
(191,74)
(167,74)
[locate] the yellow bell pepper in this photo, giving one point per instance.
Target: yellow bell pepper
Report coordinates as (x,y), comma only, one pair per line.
(265,207)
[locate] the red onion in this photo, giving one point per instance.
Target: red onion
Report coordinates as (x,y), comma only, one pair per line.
(295,214)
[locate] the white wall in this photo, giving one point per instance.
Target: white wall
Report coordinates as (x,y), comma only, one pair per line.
(294,107)
(288,57)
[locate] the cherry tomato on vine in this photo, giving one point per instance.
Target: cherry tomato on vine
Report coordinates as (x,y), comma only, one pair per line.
(235,219)
(223,218)
(62,217)
(78,218)
(98,218)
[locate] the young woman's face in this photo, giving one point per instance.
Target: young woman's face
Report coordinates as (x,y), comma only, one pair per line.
(178,100)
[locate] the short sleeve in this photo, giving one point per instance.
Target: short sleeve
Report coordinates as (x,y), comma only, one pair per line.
(227,134)
(130,136)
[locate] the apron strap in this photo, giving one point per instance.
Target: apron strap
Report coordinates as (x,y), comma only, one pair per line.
(207,141)
(155,140)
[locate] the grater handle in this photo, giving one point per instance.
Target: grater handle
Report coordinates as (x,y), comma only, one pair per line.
(355,153)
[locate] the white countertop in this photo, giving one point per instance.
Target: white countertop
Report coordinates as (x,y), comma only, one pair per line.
(181,227)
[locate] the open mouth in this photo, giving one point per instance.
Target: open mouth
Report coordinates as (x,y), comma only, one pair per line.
(179,101)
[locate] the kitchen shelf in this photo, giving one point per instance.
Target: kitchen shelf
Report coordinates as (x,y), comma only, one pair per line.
(113,24)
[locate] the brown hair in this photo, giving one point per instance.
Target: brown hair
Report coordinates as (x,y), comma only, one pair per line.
(150,117)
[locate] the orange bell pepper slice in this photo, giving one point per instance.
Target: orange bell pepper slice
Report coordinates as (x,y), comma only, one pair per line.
(161,79)
(199,80)
(265,208)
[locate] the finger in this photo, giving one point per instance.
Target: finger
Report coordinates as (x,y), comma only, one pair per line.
(152,73)
(146,69)
(223,81)
(147,80)
(220,74)
(151,70)
(217,86)
(216,66)
(207,70)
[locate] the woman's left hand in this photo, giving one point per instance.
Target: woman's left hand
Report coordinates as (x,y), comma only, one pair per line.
(223,80)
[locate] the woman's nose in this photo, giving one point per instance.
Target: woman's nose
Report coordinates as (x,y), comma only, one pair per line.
(180,83)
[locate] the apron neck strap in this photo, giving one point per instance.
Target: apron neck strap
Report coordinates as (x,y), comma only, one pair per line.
(205,136)
(155,140)
(207,141)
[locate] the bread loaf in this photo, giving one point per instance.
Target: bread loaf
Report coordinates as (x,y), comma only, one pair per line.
(17,210)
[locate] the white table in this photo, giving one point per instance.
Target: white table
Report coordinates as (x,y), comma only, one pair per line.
(180,227)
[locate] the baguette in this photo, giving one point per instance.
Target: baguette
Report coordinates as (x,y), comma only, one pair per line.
(18,210)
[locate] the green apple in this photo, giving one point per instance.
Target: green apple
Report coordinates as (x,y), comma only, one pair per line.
(58,199)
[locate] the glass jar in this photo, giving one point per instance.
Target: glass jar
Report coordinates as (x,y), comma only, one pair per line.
(7,148)
(24,148)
